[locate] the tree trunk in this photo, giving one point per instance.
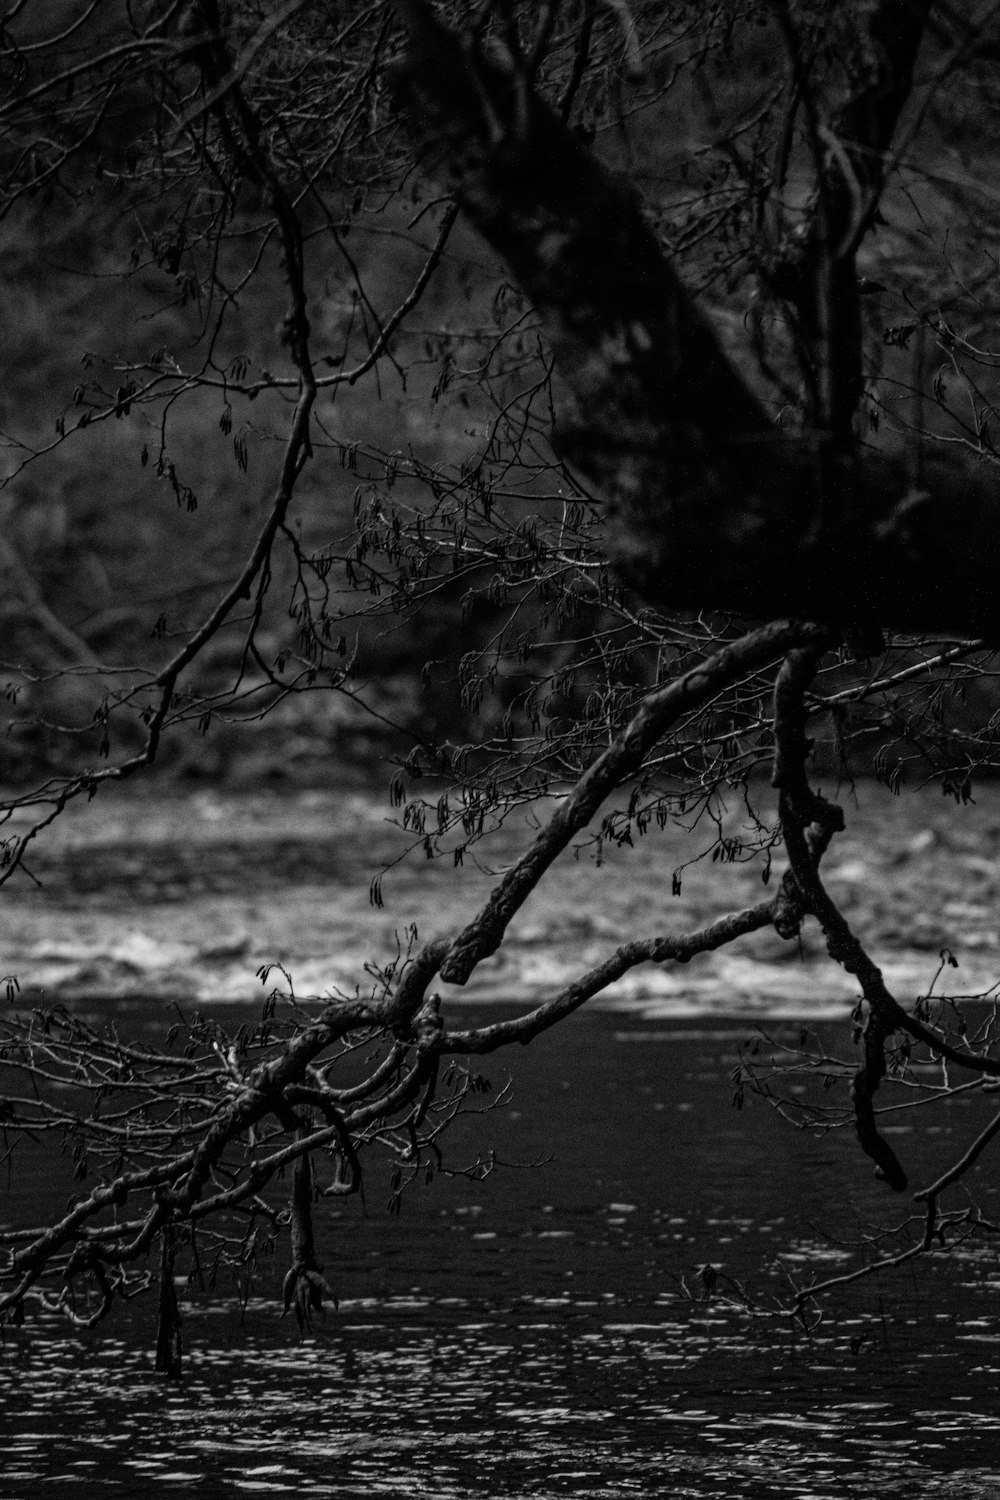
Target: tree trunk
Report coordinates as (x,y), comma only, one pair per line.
(709,505)
(169,1348)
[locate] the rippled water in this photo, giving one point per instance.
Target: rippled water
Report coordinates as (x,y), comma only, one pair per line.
(526,1336)
(413,1398)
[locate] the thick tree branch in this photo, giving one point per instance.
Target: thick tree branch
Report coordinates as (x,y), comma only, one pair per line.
(659,950)
(622,759)
(807,823)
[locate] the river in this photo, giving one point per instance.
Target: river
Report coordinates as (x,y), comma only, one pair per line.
(546,1331)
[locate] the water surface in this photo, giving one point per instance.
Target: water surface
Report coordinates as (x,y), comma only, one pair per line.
(531,1335)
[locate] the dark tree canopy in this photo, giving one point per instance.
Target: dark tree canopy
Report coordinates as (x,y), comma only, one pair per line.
(579,403)
(708,503)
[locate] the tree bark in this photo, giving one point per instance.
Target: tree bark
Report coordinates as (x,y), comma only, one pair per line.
(817,273)
(709,505)
(169,1346)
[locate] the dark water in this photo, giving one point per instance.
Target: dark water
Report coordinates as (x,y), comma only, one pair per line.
(528,1335)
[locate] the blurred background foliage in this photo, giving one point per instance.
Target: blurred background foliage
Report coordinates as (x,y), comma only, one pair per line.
(438,597)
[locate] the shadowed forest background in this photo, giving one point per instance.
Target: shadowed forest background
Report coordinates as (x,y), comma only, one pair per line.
(119,537)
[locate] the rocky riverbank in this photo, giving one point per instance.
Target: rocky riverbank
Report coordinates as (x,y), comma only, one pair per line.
(137,899)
